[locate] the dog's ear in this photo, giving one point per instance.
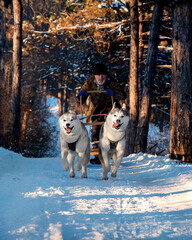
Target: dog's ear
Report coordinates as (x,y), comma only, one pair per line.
(71,111)
(114,105)
(124,107)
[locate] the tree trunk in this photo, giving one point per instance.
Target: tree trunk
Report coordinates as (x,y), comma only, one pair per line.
(43,83)
(141,51)
(16,84)
(60,94)
(1,52)
(65,95)
(133,80)
(1,34)
(27,109)
(145,110)
(5,72)
(181,91)
(24,130)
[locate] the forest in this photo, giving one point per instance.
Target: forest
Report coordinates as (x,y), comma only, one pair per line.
(48,48)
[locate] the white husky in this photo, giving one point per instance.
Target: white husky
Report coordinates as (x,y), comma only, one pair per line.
(112,139)
(74,142)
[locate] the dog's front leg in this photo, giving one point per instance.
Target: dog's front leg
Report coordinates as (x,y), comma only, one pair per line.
(105,165)
(71,159)
(117,163)
(64,160)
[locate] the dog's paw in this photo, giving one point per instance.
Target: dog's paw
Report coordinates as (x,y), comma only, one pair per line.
(105,178)
(84,175)
(113,174)
(72,175)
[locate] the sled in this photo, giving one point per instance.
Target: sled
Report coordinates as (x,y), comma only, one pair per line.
(94,151)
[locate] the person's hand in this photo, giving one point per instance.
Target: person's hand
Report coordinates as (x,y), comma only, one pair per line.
(83,93)
(110,92)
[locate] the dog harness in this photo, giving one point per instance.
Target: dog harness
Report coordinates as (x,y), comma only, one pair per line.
(72,146)
(113,144)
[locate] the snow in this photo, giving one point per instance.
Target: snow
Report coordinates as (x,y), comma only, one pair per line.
(151,198)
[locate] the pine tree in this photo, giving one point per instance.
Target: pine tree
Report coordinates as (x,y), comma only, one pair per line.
(145,109)
(16,83)
(181,91)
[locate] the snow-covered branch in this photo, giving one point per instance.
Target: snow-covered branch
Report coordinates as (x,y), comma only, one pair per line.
(78,27)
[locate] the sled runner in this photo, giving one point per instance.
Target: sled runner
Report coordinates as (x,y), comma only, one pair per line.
(94,151)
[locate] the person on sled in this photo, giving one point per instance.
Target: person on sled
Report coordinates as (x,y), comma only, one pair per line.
(100,103)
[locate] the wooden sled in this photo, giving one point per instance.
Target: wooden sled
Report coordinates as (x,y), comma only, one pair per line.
(94,151)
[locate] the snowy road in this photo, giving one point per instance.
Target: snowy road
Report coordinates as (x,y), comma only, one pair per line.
(151,198)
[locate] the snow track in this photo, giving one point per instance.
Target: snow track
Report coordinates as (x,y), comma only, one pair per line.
(151,198)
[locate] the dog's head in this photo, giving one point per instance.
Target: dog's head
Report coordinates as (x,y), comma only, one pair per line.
(118,118)
(69,123)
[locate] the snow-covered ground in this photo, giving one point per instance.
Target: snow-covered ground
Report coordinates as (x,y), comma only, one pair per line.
(151,198)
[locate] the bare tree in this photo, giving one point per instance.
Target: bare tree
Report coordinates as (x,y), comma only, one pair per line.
(16,83)
(133,79)
(145,110)
(141,49)
(5,70)
(28,103)
(60,93)
(181,91)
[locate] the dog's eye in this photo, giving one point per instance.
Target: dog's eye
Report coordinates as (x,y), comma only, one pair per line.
(71,119)
(64,120)
(122,116)
(115,115)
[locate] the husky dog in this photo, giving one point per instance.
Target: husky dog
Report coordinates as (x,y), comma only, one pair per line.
(112,139)
(74,142)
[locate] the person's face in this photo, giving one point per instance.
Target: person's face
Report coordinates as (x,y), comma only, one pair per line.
(100,78)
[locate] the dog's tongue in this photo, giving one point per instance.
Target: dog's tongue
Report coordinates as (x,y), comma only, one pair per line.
(115,125)
(68,130)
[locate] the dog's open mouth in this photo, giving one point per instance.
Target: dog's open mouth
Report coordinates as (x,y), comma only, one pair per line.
(117,125)
(68,129)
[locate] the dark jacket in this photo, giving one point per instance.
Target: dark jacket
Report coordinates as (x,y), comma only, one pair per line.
(102,102)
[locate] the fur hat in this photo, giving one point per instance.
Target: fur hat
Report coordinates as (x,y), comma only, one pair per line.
(99,69)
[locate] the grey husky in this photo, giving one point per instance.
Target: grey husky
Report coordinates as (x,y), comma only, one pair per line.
(112,139)
(74,142)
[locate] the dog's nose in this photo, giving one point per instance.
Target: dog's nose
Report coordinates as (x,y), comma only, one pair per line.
(118,121)
(67,125)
